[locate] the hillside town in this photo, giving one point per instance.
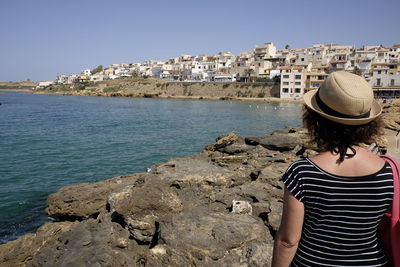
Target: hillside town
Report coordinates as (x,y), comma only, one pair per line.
(298,70)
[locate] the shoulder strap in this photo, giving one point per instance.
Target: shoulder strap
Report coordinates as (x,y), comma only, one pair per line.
(396,197)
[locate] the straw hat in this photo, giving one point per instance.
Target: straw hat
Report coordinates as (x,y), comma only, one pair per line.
(344,98)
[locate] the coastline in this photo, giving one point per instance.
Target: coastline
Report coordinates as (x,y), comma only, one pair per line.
(190,210)
(122,94)
(17,90)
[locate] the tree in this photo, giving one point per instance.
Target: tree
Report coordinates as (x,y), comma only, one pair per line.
(248,73)
(97,69)
(287,46)
(357,71)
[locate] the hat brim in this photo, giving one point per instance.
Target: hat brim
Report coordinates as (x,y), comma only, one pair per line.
(310,101)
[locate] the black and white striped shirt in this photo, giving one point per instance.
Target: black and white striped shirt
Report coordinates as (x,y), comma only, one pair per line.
(341,215)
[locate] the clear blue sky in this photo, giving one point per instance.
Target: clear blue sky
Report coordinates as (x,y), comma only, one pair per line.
(43,38)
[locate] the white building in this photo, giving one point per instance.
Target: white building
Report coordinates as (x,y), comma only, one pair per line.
(44,84)
(385,75)
(86,72)
(292,82)
(61,79)
(97,77)
(268,50)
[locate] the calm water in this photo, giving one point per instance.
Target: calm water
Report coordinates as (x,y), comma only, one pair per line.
(49,141)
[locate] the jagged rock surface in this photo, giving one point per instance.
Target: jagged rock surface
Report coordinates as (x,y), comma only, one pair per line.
(220,207)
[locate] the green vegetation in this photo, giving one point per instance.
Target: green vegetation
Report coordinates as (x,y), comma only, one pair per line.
(357,71)
(246,93)
(80,86)
(261,94)
(97,69)
(110,89)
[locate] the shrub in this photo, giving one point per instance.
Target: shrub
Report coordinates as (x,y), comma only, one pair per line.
(110,89)
(261,94)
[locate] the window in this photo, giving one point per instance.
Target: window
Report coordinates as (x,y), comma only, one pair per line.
(379,72)
(378,81)
(315,84)
(285,76)
(297,77)
(302,59)
(298,90)
(321,77)
(285,83)
(392,82)
(285,90)
(297,83)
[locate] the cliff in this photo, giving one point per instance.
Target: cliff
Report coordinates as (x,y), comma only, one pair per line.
(219,207)
(140,87)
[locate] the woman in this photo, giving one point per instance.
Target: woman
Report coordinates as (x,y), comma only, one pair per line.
(334,201)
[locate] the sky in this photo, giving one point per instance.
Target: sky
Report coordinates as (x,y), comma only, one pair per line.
(40,39)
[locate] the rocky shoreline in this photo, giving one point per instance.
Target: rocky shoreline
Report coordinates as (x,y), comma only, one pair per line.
(220,207)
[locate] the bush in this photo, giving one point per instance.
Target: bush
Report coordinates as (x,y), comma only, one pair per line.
(110,89)
(261,94)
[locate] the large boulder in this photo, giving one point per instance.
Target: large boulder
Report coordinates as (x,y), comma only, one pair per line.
(139,207)
(279,142)
(87,200)
(209,239)
(93,242)
(22,251)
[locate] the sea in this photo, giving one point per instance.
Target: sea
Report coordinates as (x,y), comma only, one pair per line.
(50,141)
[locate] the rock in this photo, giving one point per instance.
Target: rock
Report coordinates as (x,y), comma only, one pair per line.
(138,207)
(225,140)
(90,243)
(87,200)
(274,216)
(209,237)
(236,149)
(241,207)
(278,142)
(21,252)
(309,153)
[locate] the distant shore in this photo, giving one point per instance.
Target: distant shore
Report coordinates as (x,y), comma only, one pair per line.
(18,90)
(258,99)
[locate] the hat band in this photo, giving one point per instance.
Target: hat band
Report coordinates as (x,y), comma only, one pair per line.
(334,113)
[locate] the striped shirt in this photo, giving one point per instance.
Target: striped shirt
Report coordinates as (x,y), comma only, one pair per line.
(341,215)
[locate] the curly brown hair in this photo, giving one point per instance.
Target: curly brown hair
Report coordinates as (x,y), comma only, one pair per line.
(338,138)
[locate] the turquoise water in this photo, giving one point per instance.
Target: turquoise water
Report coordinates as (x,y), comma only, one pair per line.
(49,141)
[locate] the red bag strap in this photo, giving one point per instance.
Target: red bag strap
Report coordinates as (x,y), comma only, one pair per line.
(396,197)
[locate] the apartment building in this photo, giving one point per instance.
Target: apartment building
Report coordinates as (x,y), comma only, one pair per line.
(292,82)
(385,79)
(313,80)
(268,50)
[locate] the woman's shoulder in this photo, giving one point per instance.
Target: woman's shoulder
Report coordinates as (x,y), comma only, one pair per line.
(362,163)
(299,165)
